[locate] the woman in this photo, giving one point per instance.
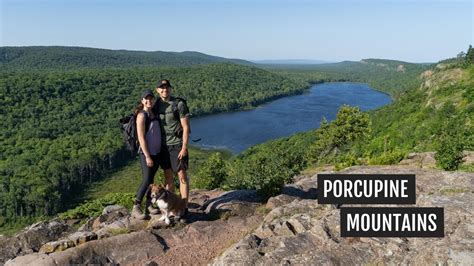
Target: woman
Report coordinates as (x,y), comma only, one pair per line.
(149,137)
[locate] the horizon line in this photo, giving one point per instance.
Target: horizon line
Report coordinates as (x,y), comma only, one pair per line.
(323,61)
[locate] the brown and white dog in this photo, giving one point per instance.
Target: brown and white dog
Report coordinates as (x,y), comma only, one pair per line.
(168,202)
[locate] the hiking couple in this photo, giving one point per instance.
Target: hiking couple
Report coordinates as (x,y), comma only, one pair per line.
(163,133)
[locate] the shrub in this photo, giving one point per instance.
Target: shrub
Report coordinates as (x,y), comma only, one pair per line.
(449,153)
(211,173)
(347,160)
(266,170)
(389,157)
(95,207)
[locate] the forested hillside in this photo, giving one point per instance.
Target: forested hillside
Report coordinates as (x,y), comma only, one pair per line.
(390,76)
(60,128)
(60,57)
(442,106)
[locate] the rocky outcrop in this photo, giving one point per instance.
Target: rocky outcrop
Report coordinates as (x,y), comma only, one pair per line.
(228,228)
(31,239)
(300,231)
(217,219)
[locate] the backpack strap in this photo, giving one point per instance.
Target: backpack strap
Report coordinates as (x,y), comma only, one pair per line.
(174,107)
(175,110)
(147,127)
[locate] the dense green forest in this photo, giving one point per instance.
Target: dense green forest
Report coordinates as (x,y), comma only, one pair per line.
(60,57)
(60,128)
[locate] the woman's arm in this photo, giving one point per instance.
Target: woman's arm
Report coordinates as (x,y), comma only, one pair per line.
(142,140)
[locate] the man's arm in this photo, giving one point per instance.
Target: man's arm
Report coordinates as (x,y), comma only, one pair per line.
(185,125)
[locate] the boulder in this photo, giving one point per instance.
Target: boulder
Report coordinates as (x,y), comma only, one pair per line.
(82,237)
(303,188)
(198,197)
(32,238)
(114,220)
(236,202)
(117,210)
(122,249)
(422,160)
(37,259)
(55,246)
(113,214)
(88,225)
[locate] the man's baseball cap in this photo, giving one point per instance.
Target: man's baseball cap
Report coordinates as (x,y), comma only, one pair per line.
(164,83)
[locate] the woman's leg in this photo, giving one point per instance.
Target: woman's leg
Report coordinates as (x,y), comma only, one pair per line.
(152,174)
(148,174)
(147,179)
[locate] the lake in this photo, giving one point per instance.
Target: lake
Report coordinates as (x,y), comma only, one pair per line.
(238,131)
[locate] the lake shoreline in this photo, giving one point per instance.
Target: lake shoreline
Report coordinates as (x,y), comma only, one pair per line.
(239,130)
(299,92)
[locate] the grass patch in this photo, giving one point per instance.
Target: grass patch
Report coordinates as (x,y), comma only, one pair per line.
(225,215)
(127,178)
(118,231)
(311,170)
(263,210)
(467,168)
(453,191)
(116,187)
(95,207)
(9,229)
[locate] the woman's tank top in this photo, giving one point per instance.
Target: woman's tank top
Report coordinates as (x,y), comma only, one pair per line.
(153,137)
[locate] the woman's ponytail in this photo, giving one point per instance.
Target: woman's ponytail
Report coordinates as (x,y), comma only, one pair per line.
(138,109)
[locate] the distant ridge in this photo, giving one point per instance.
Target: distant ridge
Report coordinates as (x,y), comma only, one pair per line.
(291,62)
(65,57)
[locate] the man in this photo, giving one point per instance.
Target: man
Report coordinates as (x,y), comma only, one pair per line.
(174,117)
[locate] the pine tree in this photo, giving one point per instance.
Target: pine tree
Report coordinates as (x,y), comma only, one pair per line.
(470,55)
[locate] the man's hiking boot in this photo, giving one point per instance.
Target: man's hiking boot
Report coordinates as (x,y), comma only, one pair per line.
(185,217)
(137,212)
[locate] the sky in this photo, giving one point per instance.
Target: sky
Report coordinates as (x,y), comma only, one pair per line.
(331,30)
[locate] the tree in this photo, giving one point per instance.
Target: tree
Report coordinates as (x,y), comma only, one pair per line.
(449,154)
(470,56)
(461,58)
(350,125)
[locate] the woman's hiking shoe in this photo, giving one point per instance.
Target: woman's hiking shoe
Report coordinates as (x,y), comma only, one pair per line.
(137,212)
(152,210)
